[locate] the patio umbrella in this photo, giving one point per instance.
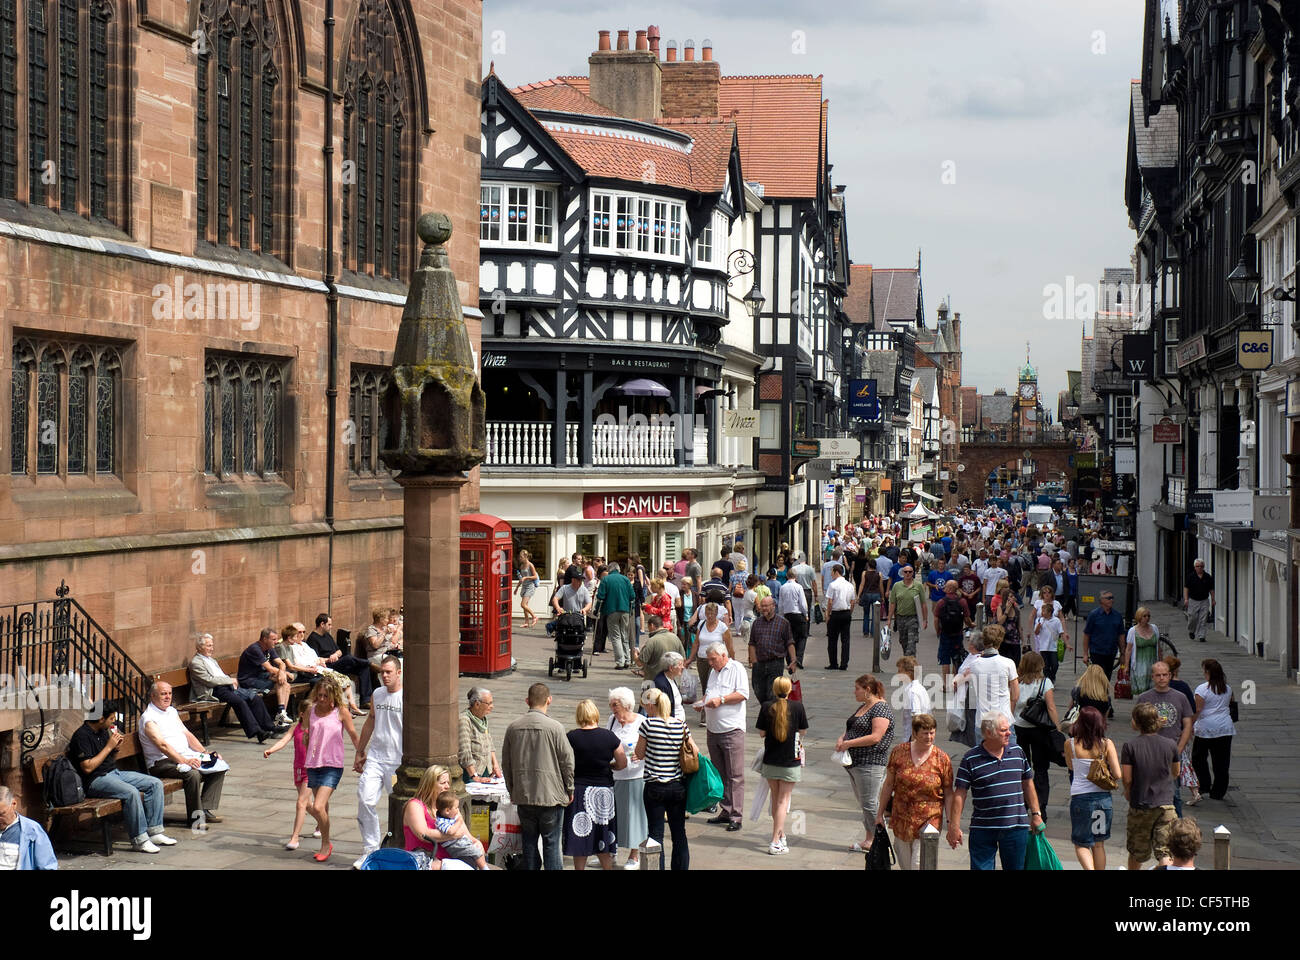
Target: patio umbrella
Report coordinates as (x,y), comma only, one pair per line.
(644,388)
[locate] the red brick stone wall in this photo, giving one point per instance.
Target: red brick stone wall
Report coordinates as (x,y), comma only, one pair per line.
(690,88)
(127,546)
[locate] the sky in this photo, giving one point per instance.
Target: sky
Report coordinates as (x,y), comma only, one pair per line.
(989,134)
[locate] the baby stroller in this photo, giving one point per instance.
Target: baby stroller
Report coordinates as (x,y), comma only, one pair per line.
(570,635)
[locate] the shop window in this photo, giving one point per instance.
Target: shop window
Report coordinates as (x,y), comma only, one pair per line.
(537,541)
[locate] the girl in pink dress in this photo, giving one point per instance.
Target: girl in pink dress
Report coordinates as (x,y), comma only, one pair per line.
(299,737)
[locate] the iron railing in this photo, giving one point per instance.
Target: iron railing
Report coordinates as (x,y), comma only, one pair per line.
(55,656)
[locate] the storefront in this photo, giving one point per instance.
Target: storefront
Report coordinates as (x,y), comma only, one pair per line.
(1226,550)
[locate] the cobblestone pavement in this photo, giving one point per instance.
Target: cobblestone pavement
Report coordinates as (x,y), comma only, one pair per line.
(1260,808)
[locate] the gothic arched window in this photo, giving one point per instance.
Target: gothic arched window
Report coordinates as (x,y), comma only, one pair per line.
(239,106)
(378,151)
(70,74)
(243,398)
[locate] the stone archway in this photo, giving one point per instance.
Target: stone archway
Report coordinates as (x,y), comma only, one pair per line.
(980,459)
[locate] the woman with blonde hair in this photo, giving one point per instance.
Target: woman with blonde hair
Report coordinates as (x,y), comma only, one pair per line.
(1093,690)
(660,746)
(419,821)
(1036,740)
(1139,650)
(326,721)
(783,723)
(590,824)
(528,581)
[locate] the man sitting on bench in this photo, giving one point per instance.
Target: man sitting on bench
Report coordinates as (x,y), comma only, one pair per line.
(93,751)
(257,672)
(172,751)
(327,648)
(207,679)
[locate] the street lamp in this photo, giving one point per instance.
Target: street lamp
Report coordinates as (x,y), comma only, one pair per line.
(1243,282)
(739,263)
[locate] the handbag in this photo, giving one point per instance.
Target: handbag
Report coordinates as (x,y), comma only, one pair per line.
(1123,687)
(1035,711)
(1232,710)
(703,787)
(690,756)
(796,690)
(881,854)
(886,637)
(818,617)
(1099,771)
(1071,715)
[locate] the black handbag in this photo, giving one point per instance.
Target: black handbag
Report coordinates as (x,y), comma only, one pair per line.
(881,854)
(1035,711)
(1232,710)
(817,613)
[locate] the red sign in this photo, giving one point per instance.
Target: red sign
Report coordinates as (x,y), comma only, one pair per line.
(1166,430)
(623,506)
(740,503)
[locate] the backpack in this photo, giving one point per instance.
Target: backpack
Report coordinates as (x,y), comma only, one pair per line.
(951,617)
(62,786)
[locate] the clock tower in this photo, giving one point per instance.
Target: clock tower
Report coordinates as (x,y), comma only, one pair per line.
(1027,408)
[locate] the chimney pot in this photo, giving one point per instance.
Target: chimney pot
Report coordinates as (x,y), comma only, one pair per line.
(641,42)
(706,52)
(672,51)
(653,34)
(690,50)
(622,40)
(603,44)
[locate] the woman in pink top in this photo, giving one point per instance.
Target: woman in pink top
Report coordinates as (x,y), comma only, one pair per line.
(419,826)
(326,721)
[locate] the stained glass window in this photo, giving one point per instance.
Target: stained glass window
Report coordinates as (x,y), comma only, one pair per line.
(37,98)
(47,414)
(249,393)
(246,144)
(229,435)
(9,99)
(78,420)
(248,423)
(99,16)
(105,414)
(211,387)
(69,106)
(271,424)
(19,391)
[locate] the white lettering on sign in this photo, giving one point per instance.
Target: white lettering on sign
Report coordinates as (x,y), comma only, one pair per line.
(610,505)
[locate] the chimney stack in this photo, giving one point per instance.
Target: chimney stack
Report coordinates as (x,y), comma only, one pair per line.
(706,53)
(690,50)
(627,81)
(691,87)
(653,34)
(672,51)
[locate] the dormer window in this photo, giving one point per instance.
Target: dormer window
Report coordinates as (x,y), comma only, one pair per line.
(625,223)
(517,215)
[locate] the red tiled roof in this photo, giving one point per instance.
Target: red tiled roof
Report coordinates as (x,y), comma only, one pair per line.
(559,95)
(857,301)
(781,130)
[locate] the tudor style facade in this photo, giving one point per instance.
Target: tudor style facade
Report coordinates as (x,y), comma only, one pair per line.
(604,244)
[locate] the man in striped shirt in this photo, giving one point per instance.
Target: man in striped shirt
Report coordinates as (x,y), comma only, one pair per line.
(1004,805)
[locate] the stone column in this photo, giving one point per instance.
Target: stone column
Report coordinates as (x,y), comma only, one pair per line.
(431,632)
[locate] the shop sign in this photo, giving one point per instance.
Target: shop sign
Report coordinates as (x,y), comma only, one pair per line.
(1234,506)
(1083,461)
(740,423)
(1254,349)
(637,363)
(1200,502)
(1189,351)
(621,506)
(952,486)
(840,448)
(1139,356)
(1166,430)
(740,502)
(860,498)
(805,449)
(862,400)
(796,499)
(1126,460)
(1230,538)
(494,360)
(1272,512)
(1116,546)
(845,473)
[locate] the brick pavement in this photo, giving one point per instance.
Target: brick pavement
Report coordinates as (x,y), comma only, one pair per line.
(1260,809)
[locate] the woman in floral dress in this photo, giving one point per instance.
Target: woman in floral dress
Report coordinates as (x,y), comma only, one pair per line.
(1140,650)
(919,779)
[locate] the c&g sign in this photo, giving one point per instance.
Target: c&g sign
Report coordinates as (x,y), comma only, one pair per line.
(1255,349)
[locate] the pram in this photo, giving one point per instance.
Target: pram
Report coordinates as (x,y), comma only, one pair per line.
(570,636)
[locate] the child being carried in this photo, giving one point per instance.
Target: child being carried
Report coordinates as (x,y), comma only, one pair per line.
(462,846)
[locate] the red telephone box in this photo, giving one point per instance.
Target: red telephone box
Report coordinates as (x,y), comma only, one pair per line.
(486,562)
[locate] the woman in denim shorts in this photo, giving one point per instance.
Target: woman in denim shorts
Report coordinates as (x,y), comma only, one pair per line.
(1090,805)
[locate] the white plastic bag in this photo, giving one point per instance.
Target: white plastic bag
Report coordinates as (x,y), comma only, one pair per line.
(957,709)
(506,836)
(842,758)
(886,636)
(689,685)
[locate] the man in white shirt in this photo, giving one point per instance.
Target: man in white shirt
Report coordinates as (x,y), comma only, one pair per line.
(380,754)
(807,578)
(792,604)
(1047,628)
(170,750)
(724,714)
(840,596)
(981,564)
(990,576)
(993,676)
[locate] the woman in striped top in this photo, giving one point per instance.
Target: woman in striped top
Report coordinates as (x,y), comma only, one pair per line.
(660,746)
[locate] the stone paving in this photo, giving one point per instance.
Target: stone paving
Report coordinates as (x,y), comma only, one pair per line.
(1260,809)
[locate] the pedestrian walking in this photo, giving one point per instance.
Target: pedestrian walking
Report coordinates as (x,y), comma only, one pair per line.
(1004,805)
(869,594)
(1198,601)
(538,763)
(1091,806)
(296,735)
(590,820)
(379,753)
(617,598)
(1035,738)
(711,630)
(527,586)
(1101,634)
(659,746)
(1176,714)
(1186,773)
(791,604)
(839,620)
(1048,630)
(911,699)
(771,649)
(783,723)
(868,737)
(629,781)
(1214,730)
(952,615)
(1149,767)
(907,609)
(724,711)
(917,790)
(323,738)
(1139,650)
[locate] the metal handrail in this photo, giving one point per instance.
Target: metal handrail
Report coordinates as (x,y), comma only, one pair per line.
(60,657)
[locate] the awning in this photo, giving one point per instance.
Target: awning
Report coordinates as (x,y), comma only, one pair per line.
(928,496)
(704,393)
(644,388)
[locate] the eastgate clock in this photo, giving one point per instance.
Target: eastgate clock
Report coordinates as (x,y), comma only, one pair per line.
(1027,391)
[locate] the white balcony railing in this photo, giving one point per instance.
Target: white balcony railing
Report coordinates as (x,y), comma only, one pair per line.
(527,444)
(700,446)
(616,444)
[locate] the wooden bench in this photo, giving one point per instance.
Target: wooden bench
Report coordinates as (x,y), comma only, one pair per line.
(202,709)
(99,808)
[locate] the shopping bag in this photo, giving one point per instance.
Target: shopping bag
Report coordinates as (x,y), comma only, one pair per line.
(1123,686)
(796,691)
(1039,854)
(507,838)
(886,638)
(957,709)
(817,613)
(881,854)
(703,787)
(689,685)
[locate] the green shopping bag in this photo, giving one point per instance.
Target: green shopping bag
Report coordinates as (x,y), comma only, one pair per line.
(703,787)
(1039,854)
